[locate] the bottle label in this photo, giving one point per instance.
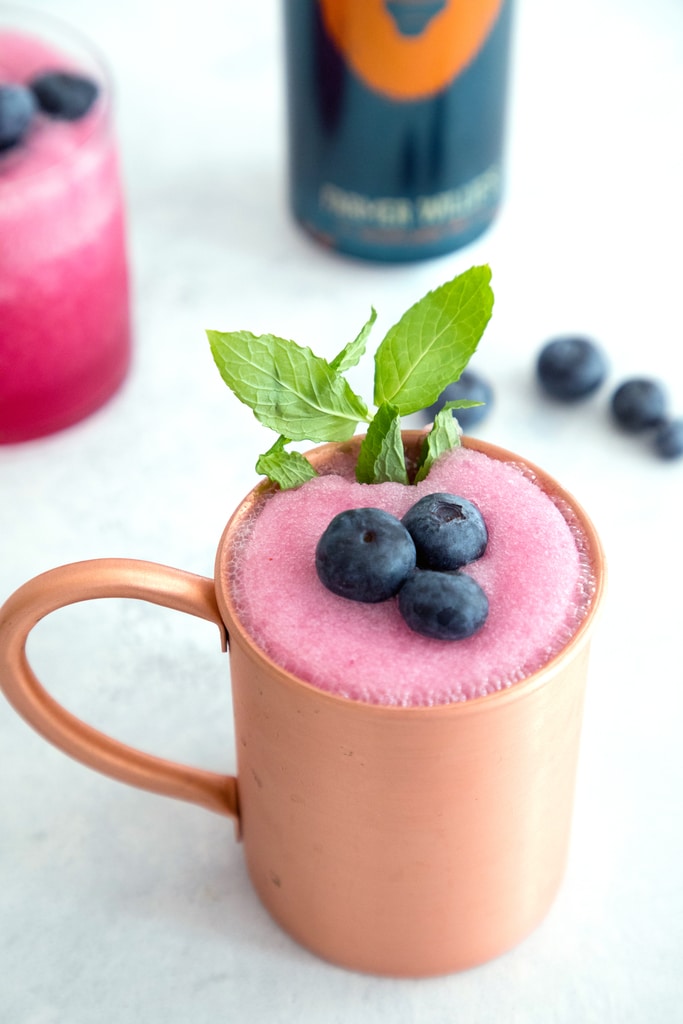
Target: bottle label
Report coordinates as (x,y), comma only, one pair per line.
(409,49)
(450,207)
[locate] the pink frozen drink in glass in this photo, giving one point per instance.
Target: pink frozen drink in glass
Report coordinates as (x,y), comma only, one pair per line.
(64,297)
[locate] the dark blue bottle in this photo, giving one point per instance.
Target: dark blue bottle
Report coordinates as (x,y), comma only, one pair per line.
(396,115)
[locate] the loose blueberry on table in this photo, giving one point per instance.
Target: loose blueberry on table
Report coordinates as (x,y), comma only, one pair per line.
(668,439)
(639,403)
(571,368)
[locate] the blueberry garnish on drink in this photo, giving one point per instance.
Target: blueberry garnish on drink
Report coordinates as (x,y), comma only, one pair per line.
(64,95)
(17,107)
(448,531)
(59,95)
(368,555)
(365,554)
(443,606)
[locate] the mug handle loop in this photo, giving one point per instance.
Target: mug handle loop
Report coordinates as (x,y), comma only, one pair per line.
(85,581)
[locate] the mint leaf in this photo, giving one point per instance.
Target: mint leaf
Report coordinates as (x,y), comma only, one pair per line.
(444,435)
(288,469)
(460,403)
(288,388)
(354,351)
(381,457)
(432,343)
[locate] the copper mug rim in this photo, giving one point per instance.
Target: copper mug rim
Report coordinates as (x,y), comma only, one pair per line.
(473,705)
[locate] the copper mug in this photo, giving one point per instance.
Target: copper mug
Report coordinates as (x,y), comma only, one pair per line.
(397,841)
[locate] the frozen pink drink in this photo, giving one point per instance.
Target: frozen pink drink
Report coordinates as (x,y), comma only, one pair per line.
(535,573)
(64,304)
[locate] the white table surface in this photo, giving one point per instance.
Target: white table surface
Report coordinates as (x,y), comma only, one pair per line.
(118,906)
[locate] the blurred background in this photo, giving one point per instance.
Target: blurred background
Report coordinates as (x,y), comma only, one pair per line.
(118,906)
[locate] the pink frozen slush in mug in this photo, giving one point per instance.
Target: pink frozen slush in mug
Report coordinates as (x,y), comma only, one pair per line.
(404,804)
(64,291)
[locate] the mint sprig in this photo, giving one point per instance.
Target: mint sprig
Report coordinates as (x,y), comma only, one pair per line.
(306,398)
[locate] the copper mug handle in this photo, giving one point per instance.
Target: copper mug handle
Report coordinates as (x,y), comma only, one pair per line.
(85,581)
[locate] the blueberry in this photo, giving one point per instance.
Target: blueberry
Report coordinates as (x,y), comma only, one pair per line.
(365,554)
(639,403)
(571,368)
(471,386)
(17,107)
(444,606)
(447,531)
(64,95)
(669,439)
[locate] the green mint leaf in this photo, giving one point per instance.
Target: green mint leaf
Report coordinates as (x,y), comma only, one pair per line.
(354,351)
(445,434)
(381,457)
(432,343)
(288,469)
(287,387)
(460,403)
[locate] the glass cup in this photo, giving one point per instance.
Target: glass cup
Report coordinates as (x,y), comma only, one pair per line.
(65,336)
(403,841)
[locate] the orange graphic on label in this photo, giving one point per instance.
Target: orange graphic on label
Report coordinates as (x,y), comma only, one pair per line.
(409,49)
